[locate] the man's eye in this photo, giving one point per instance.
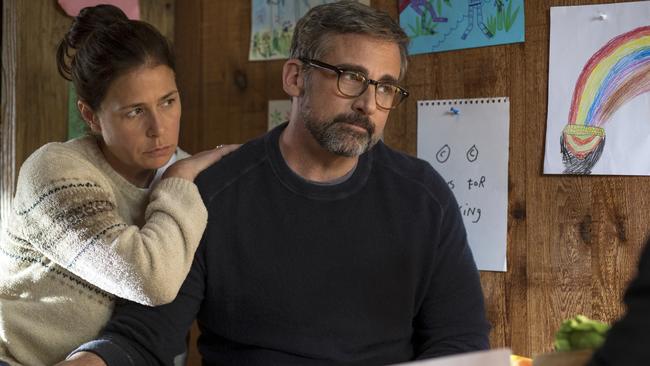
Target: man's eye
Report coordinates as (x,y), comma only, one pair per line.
(135,112)
(169,102)
(353,76)
(386,89)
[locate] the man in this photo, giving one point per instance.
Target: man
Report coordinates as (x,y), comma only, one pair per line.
(324,246)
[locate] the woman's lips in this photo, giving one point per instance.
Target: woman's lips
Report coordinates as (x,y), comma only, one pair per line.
(159,151)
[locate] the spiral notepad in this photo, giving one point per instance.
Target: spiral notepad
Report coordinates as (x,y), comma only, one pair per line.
(466,141)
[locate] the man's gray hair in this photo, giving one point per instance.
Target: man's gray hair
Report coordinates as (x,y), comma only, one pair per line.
(312,32)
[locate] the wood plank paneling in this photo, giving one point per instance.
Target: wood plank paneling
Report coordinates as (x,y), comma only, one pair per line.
(34,96)
(573,242)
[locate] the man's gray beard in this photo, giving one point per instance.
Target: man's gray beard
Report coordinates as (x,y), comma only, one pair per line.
(337,138)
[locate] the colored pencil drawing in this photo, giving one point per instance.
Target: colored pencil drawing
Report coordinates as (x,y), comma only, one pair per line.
(614,75)
(504,19)
(279,112)
(272,24)
(423,8)
(442,25)
(599,90)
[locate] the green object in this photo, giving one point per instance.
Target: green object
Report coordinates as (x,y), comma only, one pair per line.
(580,333)
(76,125)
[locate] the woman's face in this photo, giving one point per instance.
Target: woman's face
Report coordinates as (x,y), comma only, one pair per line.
(139,120)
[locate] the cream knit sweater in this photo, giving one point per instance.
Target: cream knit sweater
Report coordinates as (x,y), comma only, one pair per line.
(80,235)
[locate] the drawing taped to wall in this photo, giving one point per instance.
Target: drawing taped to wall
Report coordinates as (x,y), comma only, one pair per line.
(617,73)
(466,141)
(279,112)
(442,25)
(610,92)
(272,24)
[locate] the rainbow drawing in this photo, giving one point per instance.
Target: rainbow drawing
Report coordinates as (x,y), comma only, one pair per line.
(617,73)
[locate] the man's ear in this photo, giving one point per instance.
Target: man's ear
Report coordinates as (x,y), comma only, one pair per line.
(89,116)
(292,77)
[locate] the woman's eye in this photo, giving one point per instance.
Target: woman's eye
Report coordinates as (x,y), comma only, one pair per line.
(135,112)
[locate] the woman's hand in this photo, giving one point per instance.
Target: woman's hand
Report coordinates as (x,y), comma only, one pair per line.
(189,168)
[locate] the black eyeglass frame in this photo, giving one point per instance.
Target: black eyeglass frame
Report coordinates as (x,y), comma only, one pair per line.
(401,93)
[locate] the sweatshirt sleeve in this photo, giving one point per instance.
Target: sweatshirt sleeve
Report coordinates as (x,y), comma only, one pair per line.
(452,316)
(65,208)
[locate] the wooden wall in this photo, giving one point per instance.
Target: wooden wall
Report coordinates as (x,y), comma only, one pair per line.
(573,242)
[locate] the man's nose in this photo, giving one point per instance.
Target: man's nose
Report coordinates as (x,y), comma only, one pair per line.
(366,103)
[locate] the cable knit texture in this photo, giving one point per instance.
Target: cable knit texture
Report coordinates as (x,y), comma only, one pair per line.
(79,236)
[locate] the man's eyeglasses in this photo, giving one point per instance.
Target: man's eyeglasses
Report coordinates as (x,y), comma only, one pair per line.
(354,83)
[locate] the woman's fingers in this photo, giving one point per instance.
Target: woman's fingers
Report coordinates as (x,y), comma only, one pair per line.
(189,168)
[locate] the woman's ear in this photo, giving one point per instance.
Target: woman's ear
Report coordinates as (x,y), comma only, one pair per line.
(89,116)
(292,77)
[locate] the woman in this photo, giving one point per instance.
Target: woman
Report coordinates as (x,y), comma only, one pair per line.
(96,218)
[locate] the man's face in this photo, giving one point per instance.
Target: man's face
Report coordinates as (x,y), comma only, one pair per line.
(342,125)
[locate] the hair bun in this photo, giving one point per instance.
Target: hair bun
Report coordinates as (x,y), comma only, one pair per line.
(91,19)
(88,21)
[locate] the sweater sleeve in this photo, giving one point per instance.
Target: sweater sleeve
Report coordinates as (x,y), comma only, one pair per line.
(452,316)
(140,335)
(66,209)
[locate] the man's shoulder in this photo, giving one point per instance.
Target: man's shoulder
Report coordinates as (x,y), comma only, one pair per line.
(406,166)
(231,168)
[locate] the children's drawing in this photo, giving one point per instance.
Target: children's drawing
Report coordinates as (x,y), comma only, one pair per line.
(442,25)
(475,6)
(76,125)
(598,90)
(279,112)
(617,73)
(272,23)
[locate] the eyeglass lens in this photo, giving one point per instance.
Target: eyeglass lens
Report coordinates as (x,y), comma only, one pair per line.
(353,84)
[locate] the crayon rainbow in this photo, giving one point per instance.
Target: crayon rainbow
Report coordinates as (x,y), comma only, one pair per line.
(614,75)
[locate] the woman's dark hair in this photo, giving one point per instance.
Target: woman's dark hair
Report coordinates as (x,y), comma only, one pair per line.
(103,44)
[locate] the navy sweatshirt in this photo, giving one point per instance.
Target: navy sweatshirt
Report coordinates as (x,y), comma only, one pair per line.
(373,270)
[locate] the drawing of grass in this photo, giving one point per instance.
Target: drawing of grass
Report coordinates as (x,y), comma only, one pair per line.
(272,43)
(276,118)
(503,20)
(423,27)
(439,5)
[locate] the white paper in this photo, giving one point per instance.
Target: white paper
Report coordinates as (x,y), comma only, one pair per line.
(496,357)
(470,150)
(577,39)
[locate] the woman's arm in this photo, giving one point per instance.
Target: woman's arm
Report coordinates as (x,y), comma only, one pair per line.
(67,210)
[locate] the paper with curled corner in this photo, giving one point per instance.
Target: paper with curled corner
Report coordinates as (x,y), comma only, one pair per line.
(466,141)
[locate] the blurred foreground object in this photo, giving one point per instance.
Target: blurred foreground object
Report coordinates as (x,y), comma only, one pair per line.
(580,333)
(520,361)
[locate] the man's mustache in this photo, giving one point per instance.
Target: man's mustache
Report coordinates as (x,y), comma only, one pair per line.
(356,120)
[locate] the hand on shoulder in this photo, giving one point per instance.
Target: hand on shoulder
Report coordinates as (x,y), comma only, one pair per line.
(190,167)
